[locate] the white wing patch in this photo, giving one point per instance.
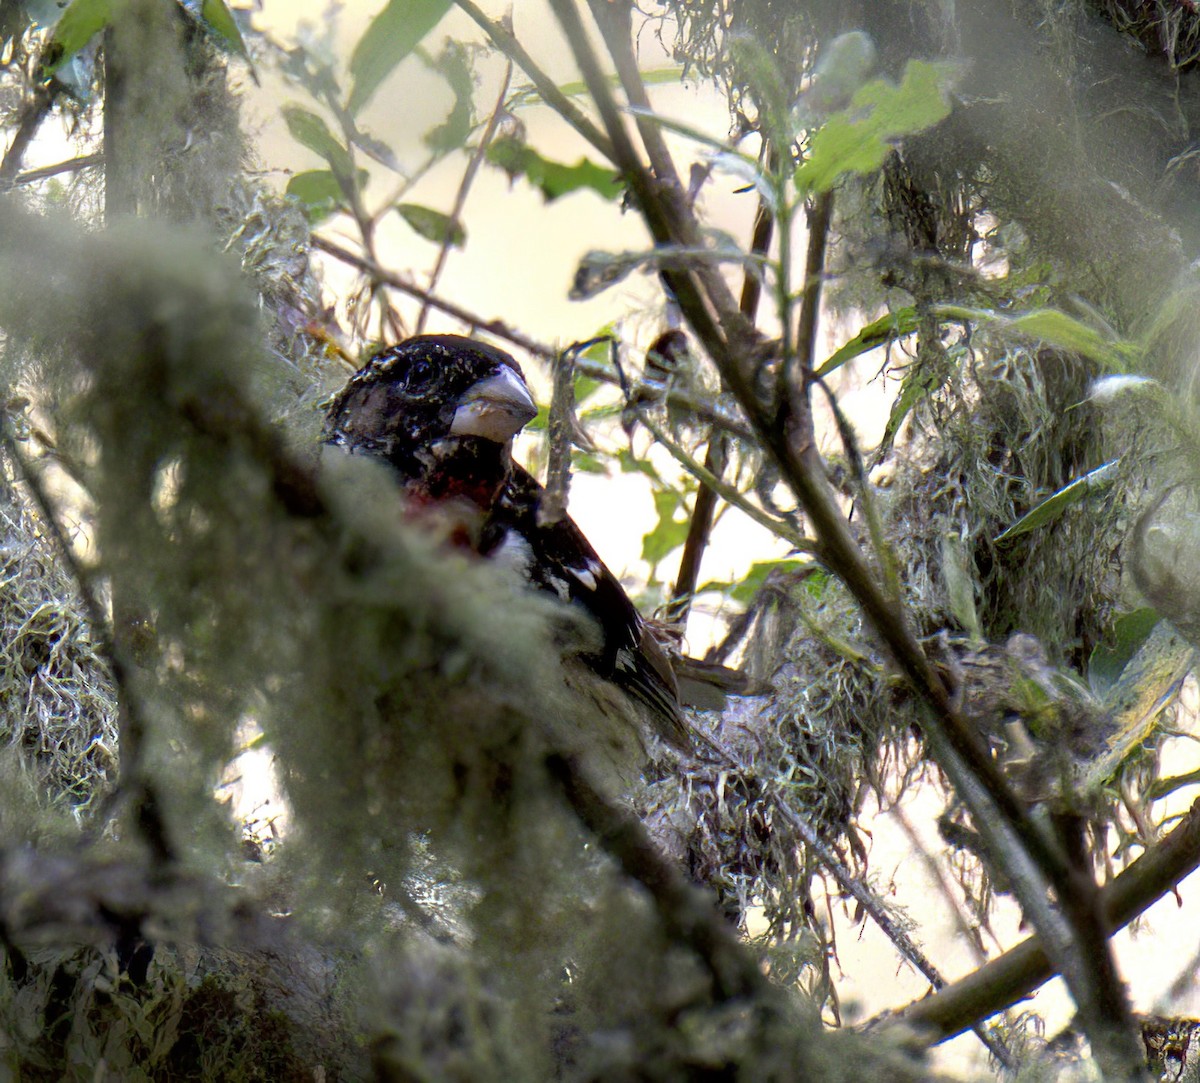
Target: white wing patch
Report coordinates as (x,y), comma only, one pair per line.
(587,576)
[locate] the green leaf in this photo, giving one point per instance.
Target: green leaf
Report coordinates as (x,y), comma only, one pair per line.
(1053,506)
(744,590)
(891,326)
(320,192)
(553,179)
(311,131)
(859,138)
(919,383)
(577,88)
(631,464)
(585,387)
(960,585)
(389,38)
(223,24)
(670,533)
(77,25)
(1055,327)
(587,463)
(452,133)
(1110,658)
(433,225)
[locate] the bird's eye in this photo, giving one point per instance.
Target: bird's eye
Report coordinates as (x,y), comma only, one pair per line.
(420,375)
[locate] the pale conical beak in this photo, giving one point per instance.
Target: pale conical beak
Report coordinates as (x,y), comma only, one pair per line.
(496,408)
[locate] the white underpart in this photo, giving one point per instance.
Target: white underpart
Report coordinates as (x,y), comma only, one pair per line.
(514,552)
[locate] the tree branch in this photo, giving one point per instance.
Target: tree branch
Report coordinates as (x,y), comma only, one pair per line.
(1018,972)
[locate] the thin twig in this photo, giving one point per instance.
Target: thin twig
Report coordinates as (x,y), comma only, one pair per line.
(506,41)
(72,165)
(460,199)
(33,112)
(559,427)
(613,18)
(729,493)
(873,906)
(715,455)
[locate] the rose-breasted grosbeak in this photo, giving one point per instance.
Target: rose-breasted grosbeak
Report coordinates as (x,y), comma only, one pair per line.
(442,410)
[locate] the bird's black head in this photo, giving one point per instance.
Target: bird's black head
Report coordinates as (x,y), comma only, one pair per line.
(426,390)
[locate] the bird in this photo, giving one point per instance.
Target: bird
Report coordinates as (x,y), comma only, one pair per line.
(442,411)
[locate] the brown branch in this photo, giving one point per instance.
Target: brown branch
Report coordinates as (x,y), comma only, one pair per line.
(874,908)
(705,509)
(33,112)
(72,165)
(1018,972)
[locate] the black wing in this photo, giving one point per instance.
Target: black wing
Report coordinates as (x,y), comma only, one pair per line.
(559,559)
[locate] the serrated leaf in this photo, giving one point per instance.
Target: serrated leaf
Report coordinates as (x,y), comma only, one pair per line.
(552,179)
(669,533)
(221,21)
(1110,658)
(310,131)
(433,225)
(859,138)
(320,192)
(389,38)
(877,333)
(1053,506)
(79,23)
(1056,328)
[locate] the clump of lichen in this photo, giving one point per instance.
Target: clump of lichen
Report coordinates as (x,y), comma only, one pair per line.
(57,702)
(1009,428)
